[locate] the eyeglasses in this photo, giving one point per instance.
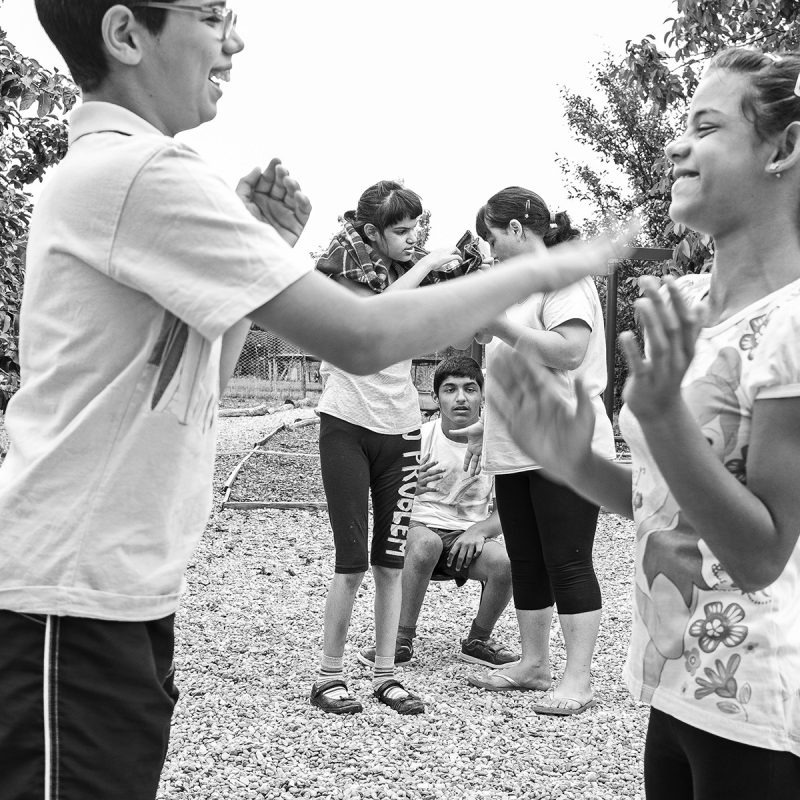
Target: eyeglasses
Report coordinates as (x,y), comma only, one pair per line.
(220,13)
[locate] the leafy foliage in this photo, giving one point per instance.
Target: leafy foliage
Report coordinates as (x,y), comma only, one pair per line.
(645,104)
(666,78)
(627,134)
(699,30)
(424,228)
(33,137)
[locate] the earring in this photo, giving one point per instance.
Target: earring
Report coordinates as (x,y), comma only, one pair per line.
(775,169)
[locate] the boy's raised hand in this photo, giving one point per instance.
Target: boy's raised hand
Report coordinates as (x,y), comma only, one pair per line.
(429,474)
(275,198)
(472,458)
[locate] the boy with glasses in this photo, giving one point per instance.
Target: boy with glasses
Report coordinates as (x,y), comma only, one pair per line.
(144,271)
(218,12)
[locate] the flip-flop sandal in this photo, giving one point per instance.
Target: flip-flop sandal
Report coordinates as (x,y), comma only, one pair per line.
(498,682)
(546,706)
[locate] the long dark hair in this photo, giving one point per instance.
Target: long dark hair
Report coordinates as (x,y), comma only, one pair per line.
(384,204)
(771,104)
(528,208)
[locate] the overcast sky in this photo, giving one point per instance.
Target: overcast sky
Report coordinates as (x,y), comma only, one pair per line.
(458,98)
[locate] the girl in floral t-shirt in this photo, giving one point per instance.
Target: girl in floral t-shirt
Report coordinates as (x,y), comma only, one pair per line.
(712,417)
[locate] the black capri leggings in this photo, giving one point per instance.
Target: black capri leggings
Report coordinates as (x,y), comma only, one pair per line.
(355,462)
(686,763)
(549,533)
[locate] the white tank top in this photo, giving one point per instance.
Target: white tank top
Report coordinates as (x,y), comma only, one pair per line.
(386,402)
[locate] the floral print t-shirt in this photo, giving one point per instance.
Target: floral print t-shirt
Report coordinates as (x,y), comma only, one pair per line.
(702,650)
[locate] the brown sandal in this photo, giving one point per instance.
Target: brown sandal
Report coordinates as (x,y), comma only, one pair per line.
(411,704)
(332,705)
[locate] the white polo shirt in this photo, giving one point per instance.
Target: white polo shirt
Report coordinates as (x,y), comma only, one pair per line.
(140,258)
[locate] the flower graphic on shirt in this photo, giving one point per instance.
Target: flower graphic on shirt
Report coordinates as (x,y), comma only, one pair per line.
(719,626)
(724,583)
(720,680)
(692,658)
(750,341)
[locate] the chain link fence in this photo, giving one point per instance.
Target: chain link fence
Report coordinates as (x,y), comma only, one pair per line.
(272,369)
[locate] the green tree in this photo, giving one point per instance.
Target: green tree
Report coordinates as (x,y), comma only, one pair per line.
(33,137)
(666,77)
(627,135)
(424,228)
(700,29)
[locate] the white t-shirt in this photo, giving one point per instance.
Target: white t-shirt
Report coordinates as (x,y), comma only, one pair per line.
(545,311)
(702,650)
(385,402)
(458,500)
(140,258)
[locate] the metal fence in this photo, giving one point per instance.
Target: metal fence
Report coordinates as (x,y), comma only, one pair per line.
(270,368)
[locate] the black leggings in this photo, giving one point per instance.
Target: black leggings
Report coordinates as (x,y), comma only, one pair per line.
(549,533)
(356,461)
(686,763)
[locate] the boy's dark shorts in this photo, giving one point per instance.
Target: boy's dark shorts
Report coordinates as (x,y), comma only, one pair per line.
(441,572)
(85,706)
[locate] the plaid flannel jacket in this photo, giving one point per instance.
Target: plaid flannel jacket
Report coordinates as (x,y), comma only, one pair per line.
(349,256)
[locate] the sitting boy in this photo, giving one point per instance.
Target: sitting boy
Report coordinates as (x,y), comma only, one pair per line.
(452,533)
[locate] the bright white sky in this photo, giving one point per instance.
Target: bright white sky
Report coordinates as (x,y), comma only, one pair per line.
(458,98)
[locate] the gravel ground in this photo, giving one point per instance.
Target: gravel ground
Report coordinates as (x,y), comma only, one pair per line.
(250,634)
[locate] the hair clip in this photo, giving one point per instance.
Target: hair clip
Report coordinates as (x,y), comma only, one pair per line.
(527,208)
(797,86)
(553,223)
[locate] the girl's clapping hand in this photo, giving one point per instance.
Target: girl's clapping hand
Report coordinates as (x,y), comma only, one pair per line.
(670,328)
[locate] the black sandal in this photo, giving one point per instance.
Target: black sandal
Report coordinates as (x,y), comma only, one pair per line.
(333,705)
(411,704)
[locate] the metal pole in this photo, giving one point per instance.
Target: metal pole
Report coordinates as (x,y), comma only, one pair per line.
(612,286)
(476,352)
